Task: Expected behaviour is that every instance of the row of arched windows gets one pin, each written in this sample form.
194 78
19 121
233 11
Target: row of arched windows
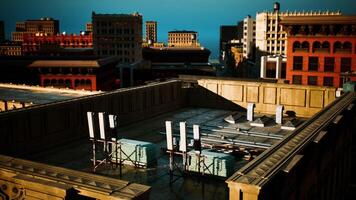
338 47
67 83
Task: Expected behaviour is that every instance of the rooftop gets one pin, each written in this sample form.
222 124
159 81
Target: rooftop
251 141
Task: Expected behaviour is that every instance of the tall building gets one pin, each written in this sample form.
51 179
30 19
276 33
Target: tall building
151 32
270 36
229 35
249 37
2 31
183 39
321 50
118 35
43 26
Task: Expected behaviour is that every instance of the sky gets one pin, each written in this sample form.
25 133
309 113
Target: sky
203 16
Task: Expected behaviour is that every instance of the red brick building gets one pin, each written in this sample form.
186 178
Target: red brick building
321 50
40 44
89 73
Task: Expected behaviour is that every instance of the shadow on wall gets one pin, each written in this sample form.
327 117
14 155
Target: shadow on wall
199 96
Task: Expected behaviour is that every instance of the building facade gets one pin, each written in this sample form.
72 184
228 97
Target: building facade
151 32
89 74
183 39
118 35
44 26
2 31
271 38
11 49
249 37
229 34
322 50
39 44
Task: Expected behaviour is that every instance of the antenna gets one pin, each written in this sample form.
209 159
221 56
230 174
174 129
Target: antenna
169 135
102 125
90 116
196 136
183 136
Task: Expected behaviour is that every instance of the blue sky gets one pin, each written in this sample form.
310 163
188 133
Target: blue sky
204 16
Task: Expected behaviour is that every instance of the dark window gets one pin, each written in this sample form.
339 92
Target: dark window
297 63
312 80
328 81
297 79
345 64
329 64
313 63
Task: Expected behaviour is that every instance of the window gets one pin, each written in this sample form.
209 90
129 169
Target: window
297 63
312 80
297 79
328 81
313 63
345 64
329 64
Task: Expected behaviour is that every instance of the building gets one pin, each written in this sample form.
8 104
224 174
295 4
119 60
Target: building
2 31
44 26
229 34
11 49
151 32
249 37
183 39
91 73
271 38
89 27
321 50
60 44
118 35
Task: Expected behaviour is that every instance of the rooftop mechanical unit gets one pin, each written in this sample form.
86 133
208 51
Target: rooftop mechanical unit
137 153
211 163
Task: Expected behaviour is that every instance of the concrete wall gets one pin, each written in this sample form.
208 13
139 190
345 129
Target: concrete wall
43 126
305 101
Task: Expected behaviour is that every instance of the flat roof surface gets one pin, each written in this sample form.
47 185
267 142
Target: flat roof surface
215 131
36 96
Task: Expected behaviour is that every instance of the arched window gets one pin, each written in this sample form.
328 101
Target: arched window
316 46
347 47
76 82
54 82
305 46
68 83
326 46
296 46
337 46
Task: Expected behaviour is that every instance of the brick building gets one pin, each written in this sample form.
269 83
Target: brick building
44 26
39 44
321 50
91 73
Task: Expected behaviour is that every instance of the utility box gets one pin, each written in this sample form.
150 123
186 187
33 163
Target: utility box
349 87
211 163
135 152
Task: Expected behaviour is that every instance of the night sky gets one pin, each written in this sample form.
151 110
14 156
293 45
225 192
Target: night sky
204 16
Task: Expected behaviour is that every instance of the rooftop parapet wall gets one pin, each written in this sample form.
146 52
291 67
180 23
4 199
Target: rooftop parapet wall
305 101
42 127
30 180
313 162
